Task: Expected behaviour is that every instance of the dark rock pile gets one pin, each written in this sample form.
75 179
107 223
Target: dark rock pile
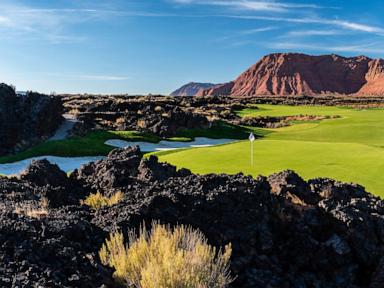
276 122
285 232
26 119
166 116
162 117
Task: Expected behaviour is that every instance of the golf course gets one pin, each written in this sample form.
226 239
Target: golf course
349 148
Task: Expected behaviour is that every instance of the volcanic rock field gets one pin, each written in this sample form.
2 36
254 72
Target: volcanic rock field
285 232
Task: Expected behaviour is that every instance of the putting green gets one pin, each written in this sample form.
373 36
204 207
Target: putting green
349 148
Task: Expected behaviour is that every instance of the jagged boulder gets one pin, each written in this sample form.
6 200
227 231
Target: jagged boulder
151 170
118 170
55 185
291 186
42 173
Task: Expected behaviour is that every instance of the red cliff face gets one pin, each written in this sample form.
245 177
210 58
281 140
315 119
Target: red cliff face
291 74
374 78
220 89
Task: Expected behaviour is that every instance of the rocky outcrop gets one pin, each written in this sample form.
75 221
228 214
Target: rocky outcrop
288 74
25 120
155 115
285 232
375 78
191 89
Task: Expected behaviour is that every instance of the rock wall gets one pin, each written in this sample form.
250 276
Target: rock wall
156 115
26 120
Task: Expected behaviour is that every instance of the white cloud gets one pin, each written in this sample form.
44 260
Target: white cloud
4 20
241 34
251 5
357 26
49 24
323 21
366 48
53 24
257 30
104 77
302 33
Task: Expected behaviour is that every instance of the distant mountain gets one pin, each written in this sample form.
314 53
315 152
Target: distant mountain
292 74
191 89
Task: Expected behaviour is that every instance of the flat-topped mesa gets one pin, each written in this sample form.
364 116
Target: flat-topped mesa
294 74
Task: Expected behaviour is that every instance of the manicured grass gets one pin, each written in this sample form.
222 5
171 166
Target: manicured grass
93 143
90 145
350 148
218 131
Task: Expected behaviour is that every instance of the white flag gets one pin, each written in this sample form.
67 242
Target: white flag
251 137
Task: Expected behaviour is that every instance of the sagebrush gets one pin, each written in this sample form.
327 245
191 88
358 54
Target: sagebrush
98 200
165 257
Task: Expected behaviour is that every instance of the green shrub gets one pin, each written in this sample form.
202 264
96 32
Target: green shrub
178 258
96 201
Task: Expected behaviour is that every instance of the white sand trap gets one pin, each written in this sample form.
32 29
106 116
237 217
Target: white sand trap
168 145
71 163
65 163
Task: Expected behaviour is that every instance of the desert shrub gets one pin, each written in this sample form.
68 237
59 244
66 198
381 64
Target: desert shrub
158 109
178 258
97 200
120 121
32 210
141 123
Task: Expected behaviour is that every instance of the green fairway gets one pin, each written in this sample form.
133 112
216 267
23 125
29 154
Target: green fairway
349 148
89 145
92 144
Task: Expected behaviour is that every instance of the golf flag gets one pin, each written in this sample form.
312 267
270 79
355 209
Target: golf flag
252 139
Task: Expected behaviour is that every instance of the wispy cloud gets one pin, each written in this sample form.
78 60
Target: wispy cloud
257 30
51 24
240 35
339 23
363 48
356 26
54 25
251 5
104 77
314 32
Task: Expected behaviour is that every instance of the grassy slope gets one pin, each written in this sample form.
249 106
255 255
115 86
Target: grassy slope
93 143
348 149
90 145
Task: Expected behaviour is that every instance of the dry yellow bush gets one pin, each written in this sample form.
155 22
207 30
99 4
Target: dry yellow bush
166 258
120 120
28 209
96 201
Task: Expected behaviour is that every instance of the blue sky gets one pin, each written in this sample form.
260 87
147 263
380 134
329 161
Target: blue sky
155 46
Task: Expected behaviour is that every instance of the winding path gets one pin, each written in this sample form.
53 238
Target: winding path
66 126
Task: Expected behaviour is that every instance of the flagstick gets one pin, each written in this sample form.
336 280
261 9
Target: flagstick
252 153
251 139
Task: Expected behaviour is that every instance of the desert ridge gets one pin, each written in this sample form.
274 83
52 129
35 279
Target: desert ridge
296 74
